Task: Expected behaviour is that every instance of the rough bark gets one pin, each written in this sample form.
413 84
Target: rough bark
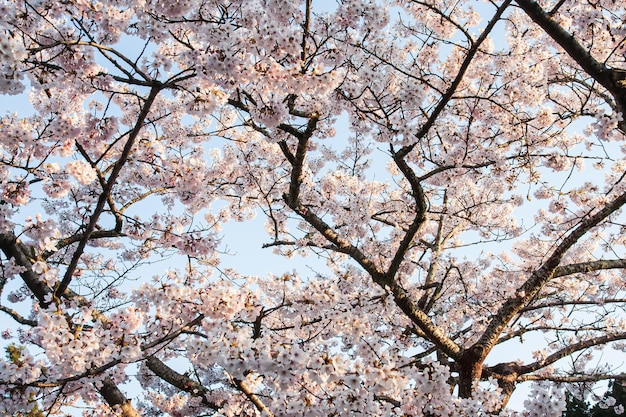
116 398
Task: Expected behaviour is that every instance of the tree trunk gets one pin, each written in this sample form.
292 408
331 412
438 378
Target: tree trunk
470 369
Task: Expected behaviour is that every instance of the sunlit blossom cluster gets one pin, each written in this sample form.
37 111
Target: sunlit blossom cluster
11 54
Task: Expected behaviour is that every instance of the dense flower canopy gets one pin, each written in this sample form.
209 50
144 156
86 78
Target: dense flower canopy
456 169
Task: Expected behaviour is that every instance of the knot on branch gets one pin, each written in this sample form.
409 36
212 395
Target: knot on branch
504 371
619 77
473 355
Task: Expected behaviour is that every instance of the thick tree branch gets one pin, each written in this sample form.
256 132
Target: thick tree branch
527 292
432 332
447 96
563 303
530 329
574 347
18 317
590 266
104 195
180 381
306 26
115 397
96 234
341 244
610 79
421 207
401 297
572 378
108 365
293 196
12 248
258 403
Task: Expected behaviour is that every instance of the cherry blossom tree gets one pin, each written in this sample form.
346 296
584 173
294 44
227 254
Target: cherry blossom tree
456 167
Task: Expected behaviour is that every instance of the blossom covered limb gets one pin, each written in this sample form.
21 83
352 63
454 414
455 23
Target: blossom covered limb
610 78
13 249
454 84
384 279
566 302
582 267
420 213
116 398
96 234
180 381
104 196
568 350
545 273
254 398
509 374
17 316
430 155
573 378
402 298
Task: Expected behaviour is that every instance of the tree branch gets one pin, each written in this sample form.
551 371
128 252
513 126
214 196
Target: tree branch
610 79
575 347
589 266
113 396
447 96
117 168
243 387
180 381
538 279
572 378
12 248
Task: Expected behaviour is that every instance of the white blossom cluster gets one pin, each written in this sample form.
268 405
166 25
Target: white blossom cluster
12 53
